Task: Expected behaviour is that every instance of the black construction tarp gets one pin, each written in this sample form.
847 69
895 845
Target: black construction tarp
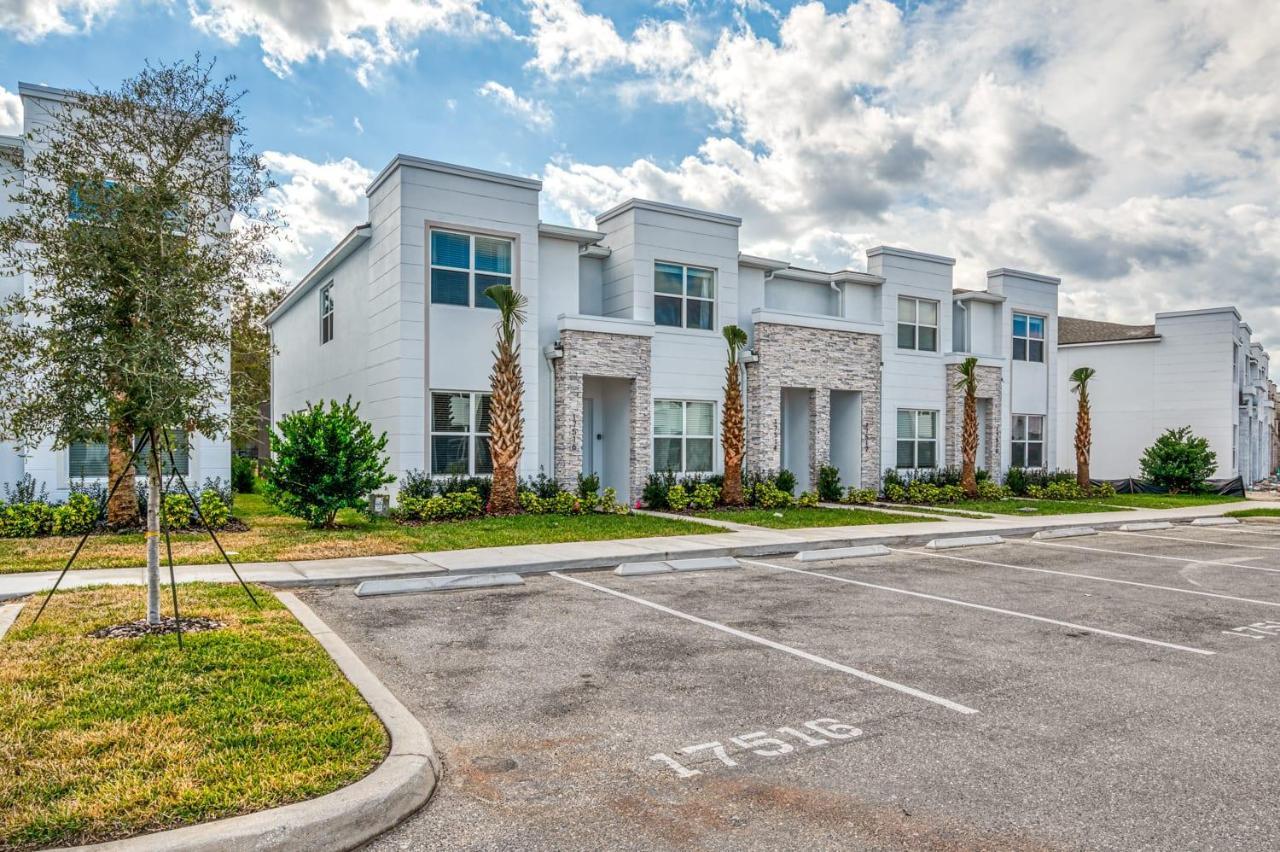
1229 487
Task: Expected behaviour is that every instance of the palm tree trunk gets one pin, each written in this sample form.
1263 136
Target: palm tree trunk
1084 442
969 446
732 438
122 510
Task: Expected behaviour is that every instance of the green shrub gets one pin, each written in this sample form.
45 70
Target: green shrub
542 486
589 485
531 503
705 497
922 492
989 490
215 511
767 495
1102 489
77 516
482 485
1016 481
454 506
656 488
416 484
895 492
176 511
950 493
859 496
609 504
244 474
677 498
1179 461
829 483
326 459
1062 491
785 481
26 520
807 500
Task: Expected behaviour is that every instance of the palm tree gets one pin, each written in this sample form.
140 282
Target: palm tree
506 386
1080 378
969 435
732 437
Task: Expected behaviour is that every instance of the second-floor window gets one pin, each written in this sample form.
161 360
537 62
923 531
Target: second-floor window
1028 440
917 324
1028 338
460 434
326 313
463 266
684 296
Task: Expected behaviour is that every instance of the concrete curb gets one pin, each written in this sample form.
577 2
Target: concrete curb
423 585
338 821
8 615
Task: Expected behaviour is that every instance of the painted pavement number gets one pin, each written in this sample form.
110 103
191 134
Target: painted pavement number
820 732
1257 630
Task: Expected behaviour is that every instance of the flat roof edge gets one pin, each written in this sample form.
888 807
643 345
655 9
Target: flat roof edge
450 169
911 254
1019 273
663 207
1221 309
582 236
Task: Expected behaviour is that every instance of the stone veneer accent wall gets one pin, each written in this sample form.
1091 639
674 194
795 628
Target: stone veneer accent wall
822 360
989 382
615 356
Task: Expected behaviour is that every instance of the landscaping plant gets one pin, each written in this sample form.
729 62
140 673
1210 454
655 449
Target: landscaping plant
859 496
1080 378
244 476
120 228
968 383
829 483
1179 461
326 459
732 434
506 386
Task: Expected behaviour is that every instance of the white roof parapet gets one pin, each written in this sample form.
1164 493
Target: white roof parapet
1221 309
663 207
844 276
977 296
1029 276
51 93
581 236
909 253
756 262
355 238
451 169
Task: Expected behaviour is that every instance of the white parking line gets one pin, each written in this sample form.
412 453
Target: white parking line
777 646
1085 577
1200 541
986 608
1149 555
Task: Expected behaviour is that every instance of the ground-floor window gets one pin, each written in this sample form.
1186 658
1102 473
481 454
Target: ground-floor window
88 459
1028 440
917 438
460 433
683 436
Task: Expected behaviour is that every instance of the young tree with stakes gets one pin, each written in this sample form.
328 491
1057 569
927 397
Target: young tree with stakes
1080 378
137 224
506 388
968 383
732 436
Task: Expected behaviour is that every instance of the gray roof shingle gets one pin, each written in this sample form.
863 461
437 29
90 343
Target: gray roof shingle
1075 330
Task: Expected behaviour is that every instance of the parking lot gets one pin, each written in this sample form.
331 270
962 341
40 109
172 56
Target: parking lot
1111 691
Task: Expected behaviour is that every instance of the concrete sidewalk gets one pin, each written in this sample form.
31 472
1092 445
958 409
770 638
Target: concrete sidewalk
567 556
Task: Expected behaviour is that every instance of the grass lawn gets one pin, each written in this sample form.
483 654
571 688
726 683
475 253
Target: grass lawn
276 537
1012 506
930 510
104 738
1162 501
820 516
1268 512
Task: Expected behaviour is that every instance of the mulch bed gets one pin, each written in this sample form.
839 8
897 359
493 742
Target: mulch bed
136 629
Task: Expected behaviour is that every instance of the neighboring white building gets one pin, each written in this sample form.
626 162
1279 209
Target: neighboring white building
623 355
1196 368
57 470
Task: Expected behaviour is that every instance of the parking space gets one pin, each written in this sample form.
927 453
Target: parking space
1024 695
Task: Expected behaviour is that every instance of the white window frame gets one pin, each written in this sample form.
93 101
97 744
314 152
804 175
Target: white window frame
326 313
684 437
473 436
916 325
471 265
684 296
915 438
1027 338
1026 442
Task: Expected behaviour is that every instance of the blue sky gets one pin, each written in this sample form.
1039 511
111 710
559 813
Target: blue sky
1138 160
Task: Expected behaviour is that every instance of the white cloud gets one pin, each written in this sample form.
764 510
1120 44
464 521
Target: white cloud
10 112
320 203
371 34
33 20
355 122
1137 160
536 114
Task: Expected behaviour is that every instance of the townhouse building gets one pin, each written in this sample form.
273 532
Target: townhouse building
623 356
197 456
1199 368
